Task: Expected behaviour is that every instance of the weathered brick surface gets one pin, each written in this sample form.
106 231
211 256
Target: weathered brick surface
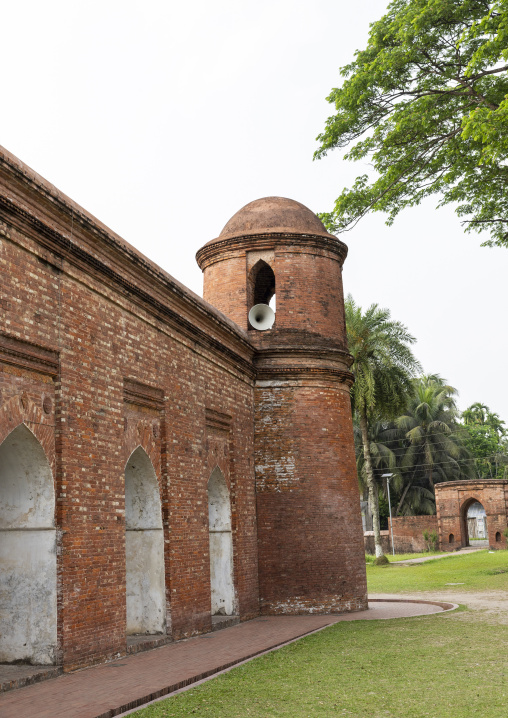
408 532
310 535
452 501
102 352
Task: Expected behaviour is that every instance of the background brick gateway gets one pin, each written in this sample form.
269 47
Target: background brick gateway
124 378
453 498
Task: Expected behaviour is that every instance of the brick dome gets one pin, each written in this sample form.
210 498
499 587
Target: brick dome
276 215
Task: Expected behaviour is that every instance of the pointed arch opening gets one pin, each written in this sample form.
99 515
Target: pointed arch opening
144 546
262 285
28 583
474 524
221 546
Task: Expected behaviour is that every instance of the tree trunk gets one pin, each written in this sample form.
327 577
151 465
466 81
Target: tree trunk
371 486
408 486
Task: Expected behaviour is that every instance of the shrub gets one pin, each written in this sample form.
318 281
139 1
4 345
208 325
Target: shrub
431 540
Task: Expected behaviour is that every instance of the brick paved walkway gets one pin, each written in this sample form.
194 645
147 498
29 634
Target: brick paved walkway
111 689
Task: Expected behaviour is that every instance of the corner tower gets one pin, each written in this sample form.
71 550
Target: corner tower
310 538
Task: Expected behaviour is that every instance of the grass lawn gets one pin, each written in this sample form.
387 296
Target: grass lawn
479 571
441 666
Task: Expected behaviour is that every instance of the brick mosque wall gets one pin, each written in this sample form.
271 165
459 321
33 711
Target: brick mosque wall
101 352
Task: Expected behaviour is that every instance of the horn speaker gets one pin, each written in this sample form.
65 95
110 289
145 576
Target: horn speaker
261 317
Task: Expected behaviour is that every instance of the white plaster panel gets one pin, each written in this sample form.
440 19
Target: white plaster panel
142 498
219 509
27 495
221 545
221 573
145 579
28 596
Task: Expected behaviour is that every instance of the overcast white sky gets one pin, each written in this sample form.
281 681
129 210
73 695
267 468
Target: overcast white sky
164 118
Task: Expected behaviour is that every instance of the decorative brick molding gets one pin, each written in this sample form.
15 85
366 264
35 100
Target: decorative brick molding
28 356
135 392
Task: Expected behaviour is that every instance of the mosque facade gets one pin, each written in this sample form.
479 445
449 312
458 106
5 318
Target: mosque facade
167 468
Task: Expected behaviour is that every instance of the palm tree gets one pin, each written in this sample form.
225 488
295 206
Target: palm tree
383 365
476 413
383 458
486 440
480 414
434 438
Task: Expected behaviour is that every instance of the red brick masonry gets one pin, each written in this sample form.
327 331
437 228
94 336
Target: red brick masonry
102 352
453 499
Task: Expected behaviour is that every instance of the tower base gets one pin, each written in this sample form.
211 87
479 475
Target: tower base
298 605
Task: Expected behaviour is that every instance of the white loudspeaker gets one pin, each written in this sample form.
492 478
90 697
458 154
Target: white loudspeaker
261 317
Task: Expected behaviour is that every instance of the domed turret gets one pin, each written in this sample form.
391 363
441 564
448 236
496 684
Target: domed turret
281 242
310 538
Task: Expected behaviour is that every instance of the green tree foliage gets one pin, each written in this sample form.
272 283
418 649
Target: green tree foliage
426 103
435 442
486 441
479 413
410 494
426 444
383 365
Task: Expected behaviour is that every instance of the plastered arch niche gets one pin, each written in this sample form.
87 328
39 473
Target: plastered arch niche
28 605
144 545
221 546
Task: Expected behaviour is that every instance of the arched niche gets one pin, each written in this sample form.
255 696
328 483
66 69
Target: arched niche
28 601
221 546
262 283
144 546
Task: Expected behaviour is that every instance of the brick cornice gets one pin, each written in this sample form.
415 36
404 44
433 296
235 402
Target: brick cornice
470 484
270 373
310 353
217 250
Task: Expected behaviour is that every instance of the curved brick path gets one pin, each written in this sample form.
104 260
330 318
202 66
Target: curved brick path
111 689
